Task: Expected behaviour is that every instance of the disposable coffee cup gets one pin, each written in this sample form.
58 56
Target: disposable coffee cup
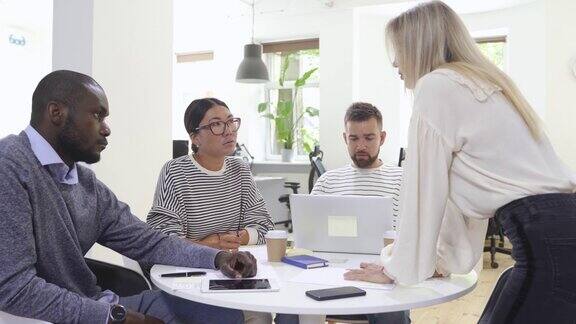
389 237
276 244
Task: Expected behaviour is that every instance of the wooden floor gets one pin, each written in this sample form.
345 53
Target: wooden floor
467 309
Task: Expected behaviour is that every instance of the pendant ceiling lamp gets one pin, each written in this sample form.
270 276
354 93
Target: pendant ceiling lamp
252 69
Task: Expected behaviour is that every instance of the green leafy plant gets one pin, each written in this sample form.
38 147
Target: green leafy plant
285 122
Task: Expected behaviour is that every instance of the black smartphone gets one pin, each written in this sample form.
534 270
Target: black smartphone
335 293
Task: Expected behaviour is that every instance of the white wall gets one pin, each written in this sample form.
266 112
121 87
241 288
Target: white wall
132 60
560 82
24 60
73 35
378 82
526 57
133 63
337 80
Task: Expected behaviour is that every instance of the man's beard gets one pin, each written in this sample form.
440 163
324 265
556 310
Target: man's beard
365 163
72 143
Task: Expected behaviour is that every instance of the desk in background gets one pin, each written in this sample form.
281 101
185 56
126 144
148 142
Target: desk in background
271 189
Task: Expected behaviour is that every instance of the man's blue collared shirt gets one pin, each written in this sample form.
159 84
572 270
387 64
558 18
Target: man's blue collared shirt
48 157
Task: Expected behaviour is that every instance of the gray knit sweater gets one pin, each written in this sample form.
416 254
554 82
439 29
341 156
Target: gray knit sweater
46 228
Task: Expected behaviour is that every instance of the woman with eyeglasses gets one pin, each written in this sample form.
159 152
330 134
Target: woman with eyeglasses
477 150
209 197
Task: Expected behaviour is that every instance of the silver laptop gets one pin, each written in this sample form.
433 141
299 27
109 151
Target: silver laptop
344 224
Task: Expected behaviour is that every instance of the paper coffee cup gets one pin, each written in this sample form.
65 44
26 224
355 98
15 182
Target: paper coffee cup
276 244
389 237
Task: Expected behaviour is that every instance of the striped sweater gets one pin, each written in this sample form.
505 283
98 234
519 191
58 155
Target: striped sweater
193 202
383 181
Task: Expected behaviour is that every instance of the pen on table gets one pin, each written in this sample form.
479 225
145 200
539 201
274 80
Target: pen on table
184 274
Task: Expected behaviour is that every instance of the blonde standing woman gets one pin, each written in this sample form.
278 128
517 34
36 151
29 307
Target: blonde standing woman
476 150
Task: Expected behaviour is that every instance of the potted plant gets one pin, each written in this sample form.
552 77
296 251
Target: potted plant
285 121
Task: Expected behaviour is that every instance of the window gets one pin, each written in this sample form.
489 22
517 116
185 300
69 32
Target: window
494 48
188 86
293 93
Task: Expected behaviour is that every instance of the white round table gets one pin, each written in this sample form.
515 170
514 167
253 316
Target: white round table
291 298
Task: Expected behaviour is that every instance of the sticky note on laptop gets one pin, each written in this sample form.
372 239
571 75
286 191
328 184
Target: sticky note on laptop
343 226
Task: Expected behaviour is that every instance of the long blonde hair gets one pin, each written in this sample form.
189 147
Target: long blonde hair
431 36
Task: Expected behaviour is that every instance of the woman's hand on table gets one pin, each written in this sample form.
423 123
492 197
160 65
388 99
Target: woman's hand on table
243 235
225 241
370 272
230 241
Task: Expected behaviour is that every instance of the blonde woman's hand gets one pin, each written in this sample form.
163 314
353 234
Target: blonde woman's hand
371 266
371 272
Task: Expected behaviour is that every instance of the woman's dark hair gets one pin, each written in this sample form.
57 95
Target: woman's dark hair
196 111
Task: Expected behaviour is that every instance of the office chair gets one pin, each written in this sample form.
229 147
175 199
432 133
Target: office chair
494 229
317 168
121 280
402 156
285 199
179 148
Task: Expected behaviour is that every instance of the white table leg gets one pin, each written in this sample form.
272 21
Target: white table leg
312 319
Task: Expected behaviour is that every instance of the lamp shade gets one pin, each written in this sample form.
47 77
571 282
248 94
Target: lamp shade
252 69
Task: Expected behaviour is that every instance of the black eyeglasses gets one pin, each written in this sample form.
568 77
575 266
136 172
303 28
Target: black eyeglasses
219 127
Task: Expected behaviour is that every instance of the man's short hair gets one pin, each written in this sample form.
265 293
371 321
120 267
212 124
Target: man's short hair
67 87
362 111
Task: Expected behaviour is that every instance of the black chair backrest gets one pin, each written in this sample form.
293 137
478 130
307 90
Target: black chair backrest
317 168
402 156
122 281
179 148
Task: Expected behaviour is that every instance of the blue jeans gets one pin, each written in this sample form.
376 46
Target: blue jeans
175 310
541 287
380 318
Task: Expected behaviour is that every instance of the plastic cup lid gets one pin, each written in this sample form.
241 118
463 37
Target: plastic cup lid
276 234
390 234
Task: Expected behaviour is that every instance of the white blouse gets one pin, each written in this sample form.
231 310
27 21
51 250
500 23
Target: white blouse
469 153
